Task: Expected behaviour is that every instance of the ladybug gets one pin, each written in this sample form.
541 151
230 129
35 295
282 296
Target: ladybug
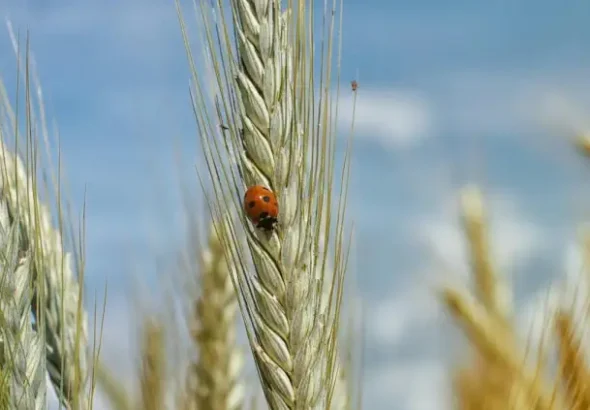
262 207
354 85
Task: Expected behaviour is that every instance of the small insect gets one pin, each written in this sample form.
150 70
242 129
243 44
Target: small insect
262 207
354 85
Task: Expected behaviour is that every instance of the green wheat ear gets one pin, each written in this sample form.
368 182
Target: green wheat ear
271 126
39 272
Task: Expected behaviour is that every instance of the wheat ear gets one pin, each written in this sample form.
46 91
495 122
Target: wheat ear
572 364
21 348
276 138
57 303
217 372
490 288
491 338
153 371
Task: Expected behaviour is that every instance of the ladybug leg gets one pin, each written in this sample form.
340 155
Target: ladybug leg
268 223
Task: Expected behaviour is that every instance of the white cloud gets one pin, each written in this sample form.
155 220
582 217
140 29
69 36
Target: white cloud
415 385
403 313
393 118
550 100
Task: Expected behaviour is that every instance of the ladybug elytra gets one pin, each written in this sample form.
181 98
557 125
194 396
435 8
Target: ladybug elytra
262 207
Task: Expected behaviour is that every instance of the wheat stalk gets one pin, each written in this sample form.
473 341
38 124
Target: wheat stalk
276 138
216 374
57 302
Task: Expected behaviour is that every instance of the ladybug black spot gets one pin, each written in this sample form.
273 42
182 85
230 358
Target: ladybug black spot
266 198
251 204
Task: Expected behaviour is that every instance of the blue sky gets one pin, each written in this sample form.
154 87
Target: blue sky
485 92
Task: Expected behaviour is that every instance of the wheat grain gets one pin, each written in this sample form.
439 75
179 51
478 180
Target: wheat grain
216 384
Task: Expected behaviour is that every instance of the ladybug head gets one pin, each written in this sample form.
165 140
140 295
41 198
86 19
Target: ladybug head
267 223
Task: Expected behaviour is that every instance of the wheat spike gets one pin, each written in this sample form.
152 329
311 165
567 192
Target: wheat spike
495 385
21 348
288 349
153 371
57 303
217 372
490 288
572 364
492 340
275 138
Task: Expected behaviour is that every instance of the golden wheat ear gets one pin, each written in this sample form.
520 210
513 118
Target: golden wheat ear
152 377
278 133
572 368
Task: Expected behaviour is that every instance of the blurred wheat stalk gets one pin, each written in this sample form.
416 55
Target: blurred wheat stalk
214 379
212 372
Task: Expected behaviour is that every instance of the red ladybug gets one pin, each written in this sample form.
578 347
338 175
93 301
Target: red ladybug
262 207
354 85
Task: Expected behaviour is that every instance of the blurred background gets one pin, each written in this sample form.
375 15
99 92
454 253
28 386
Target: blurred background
474 92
